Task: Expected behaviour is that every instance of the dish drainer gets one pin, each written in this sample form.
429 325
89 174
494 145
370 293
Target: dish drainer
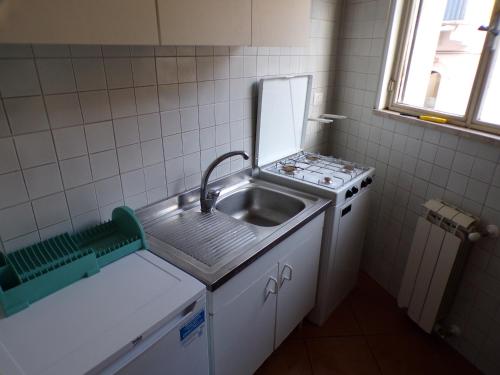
34 272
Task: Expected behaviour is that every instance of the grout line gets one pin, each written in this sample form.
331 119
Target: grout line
31 200
308 354
157 85
372 355
115 148
333 336
9 126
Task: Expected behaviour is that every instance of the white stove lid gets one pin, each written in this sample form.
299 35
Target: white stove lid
282 116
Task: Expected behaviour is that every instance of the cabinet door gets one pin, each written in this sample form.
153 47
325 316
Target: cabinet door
280 23
298 277
205 22
243 329
79 21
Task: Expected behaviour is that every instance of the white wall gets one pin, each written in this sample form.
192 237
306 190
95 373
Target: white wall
84 129
414 164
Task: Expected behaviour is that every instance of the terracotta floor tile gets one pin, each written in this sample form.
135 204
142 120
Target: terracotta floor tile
341 355
290 359
378 313
366 283
416 354
367 334
342 322
369 288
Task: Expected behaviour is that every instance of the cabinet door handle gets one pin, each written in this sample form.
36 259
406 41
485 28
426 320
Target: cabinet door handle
286 274
271 287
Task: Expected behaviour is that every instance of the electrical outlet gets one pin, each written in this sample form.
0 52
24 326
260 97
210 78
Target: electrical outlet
317 98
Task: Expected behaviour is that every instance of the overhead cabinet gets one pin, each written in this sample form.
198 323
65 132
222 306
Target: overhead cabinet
79 21
235 22
205 22
282 23
152 22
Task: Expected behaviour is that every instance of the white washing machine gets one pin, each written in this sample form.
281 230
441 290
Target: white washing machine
138 315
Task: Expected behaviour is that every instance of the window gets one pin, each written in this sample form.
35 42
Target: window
447 62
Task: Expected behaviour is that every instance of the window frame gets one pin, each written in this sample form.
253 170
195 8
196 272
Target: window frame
405 28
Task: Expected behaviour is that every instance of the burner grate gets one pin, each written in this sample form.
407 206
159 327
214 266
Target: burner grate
317 169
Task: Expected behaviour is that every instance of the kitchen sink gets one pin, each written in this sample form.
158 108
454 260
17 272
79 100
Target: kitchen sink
260 206
249 217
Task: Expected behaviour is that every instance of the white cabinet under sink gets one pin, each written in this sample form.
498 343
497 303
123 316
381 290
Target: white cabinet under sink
298 271
244 327
251 314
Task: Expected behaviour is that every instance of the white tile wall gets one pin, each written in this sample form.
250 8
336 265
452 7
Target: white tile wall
35 149
26 114
415 164
63 110
86 128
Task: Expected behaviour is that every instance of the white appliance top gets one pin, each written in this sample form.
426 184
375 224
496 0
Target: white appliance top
324 171
80 326
282 116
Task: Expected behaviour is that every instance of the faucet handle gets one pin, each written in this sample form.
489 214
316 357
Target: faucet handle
208 204
213 195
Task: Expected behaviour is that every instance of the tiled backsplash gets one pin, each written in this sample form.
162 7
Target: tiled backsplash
414 164
84 129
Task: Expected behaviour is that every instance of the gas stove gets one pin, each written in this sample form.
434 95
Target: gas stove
316 169
279 156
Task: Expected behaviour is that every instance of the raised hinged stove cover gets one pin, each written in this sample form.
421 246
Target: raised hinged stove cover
282 117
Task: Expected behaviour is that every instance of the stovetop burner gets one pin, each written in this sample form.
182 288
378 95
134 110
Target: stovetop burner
288 168
327 180
317 169
312 157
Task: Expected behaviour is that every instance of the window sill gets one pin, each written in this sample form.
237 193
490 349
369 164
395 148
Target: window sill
448 128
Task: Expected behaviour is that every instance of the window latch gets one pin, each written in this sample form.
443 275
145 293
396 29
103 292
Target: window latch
490 29
390 85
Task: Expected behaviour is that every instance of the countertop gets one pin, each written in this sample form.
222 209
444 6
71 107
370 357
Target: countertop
188 204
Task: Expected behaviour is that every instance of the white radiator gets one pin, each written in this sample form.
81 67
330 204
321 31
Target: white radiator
437 256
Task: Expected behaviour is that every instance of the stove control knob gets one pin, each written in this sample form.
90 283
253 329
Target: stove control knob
354 190
364 184
369 180
348 194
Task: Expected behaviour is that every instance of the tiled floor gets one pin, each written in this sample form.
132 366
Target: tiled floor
367 334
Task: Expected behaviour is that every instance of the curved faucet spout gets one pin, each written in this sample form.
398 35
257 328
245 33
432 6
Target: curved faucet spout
208 198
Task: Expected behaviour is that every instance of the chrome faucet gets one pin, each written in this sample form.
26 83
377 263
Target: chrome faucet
208 198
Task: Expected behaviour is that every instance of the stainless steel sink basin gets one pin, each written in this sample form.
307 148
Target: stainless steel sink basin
249 217
260 206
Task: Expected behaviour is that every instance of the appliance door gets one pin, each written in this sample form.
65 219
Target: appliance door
353 218
178 347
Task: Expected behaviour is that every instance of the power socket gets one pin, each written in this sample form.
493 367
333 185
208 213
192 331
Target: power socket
317 98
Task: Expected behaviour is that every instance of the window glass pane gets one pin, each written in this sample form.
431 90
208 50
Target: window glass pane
490 106
445 53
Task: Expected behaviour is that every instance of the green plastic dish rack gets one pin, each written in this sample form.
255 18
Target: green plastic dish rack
34 272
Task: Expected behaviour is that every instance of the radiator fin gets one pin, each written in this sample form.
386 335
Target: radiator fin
413 262
426 271
444 266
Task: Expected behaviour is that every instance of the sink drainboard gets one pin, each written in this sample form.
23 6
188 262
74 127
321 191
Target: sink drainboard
207 237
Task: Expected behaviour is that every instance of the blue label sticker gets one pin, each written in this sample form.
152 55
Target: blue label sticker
191 326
